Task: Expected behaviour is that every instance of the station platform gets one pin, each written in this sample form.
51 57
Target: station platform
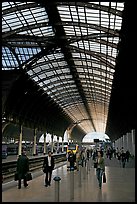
120 185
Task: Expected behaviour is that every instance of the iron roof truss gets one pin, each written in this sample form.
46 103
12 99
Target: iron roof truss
70 55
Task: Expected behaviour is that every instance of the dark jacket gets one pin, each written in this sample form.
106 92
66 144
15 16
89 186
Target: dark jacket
71 158
45 163
22 166
101 163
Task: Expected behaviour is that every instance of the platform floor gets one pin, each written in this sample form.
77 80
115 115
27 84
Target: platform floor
120 186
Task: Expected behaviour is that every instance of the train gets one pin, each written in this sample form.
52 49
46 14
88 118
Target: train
12 149
72 147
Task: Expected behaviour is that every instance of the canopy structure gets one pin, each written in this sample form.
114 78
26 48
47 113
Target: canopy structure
58 62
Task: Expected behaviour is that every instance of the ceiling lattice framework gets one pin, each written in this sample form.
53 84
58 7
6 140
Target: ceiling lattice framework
71 55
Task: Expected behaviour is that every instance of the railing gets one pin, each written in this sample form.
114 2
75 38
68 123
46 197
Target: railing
35 163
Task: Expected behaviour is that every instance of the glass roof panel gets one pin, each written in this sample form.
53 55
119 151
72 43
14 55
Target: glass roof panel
71 56
9 60
100 48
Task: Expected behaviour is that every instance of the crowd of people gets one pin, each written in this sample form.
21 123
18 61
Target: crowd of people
98 155
81 157
122 155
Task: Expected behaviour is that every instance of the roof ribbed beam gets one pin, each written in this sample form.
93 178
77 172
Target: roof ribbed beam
94 38
23 28
28 63
50 77
92 26
59 32
92 6
99 56
19 40
18 8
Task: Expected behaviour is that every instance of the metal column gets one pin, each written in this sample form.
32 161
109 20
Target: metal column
34 145
20 141
44 152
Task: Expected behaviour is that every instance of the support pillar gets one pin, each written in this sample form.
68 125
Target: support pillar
127 135
20 141
125 141
121 140
68 135
133 141
57 144
44 152
116 143
119 147
62 145
52 142
34 145
129 142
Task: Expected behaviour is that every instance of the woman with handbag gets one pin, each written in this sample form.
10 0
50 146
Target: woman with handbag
100 170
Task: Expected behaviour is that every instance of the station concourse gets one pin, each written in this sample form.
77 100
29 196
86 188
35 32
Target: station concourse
120 185
68 69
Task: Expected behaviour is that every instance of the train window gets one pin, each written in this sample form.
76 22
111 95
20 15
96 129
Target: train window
72 147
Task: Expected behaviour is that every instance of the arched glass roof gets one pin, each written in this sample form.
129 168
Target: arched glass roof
69 49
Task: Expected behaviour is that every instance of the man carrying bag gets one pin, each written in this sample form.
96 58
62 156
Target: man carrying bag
22 169
48 166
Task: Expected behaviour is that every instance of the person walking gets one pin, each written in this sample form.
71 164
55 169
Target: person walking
48 166
100 168
78 159
22 168
83 158
127 156
123 158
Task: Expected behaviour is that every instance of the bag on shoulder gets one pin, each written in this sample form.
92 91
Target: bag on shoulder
104 177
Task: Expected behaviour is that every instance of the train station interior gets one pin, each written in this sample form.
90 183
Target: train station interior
68 69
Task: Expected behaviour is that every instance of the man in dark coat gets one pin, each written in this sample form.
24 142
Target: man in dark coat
48 166
22 168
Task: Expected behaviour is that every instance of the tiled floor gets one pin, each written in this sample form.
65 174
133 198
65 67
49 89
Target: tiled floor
120 186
